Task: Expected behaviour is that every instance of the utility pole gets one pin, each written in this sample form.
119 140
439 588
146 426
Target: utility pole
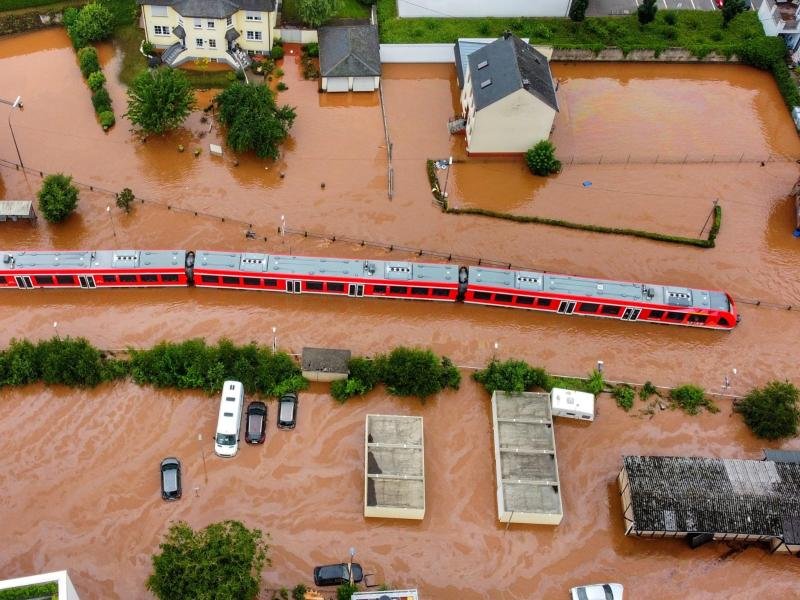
15 104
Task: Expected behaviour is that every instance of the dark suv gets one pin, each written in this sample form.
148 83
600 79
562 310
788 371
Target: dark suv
337 574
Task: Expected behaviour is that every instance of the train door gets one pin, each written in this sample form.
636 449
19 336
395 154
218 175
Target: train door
355 290
24 282
631 314
292 287
566 307
86 281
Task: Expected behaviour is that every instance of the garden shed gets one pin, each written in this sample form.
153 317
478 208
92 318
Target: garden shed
15 210
349 58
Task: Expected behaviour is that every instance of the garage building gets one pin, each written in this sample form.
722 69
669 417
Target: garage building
349 58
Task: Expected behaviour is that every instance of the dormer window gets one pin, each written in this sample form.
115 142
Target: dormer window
482 64
485 84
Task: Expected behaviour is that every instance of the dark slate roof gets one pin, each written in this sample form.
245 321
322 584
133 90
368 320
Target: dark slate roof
349 51
212 9
789 456
327 360
692 494
512 65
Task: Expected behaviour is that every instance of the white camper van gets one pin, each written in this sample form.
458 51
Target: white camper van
226 442
572 404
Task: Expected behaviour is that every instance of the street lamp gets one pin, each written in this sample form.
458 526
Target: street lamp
15 104
447 177
274 340
350 566
55 326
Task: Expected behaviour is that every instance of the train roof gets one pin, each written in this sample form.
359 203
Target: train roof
92 259
409 272
601 289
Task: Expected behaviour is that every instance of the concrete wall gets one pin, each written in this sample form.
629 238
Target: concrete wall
616 55
295 35
510 125
481 8
433 53
765 16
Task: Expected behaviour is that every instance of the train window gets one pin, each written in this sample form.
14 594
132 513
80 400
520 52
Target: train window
109 279
149 278
589 307
418 291
697 318
503 297
525 300
378 289
209 278
335 287
398 289
656 314
231 280
270 282
127 278
675 316
169 277
609 309
441 292
252 281
482 296
65 279
314 285
543 302
44 279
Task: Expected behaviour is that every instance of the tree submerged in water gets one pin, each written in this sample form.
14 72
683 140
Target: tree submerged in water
159 100
541 159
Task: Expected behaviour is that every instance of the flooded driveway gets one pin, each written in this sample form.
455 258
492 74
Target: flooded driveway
98 451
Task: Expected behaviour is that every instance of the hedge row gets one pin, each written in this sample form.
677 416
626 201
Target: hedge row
29 21
518 376
37 590
101 101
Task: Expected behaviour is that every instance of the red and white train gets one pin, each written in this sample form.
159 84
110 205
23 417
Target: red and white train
529 290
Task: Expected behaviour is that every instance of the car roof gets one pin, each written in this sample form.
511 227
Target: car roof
170 461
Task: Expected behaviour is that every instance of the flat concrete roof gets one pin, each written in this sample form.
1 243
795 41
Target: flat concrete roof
528 489
329 360
394 465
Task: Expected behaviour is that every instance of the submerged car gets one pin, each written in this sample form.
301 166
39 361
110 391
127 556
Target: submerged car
287 411
338 574
598 591
256 423
170 478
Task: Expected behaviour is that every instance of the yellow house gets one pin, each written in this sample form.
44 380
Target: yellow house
223 31
508 100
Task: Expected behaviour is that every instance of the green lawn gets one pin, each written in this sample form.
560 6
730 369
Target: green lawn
128 38
348 9
9 5
48 5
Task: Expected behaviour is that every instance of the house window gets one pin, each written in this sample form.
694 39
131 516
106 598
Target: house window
198 23
229 21
212 43
199 42
254 36
161 30
210 24
483 64
158 11
485 84
252 16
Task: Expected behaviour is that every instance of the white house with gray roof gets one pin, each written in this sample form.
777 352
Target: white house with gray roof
508 99
349 58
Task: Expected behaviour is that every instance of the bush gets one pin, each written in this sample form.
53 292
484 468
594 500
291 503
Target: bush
731 8
691 398
311 49
277 52
125 199
419 373
107 119
647 11
346 591
69 16
88 61
281 87
96 80
670 17
316 12
101 101
762 52
37 590
58 198
299 592
577 12
148 48
510 376
771 412
93 23
541 159
647 390
278 72
624 396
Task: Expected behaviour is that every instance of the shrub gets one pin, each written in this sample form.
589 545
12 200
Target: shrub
670 17
240 75
593 384
419 373
510 376
277 42
96 80
577 12
624 396
125 199
88 61
148 48
762 52
93 23
691 398
731 8
647 11
346 591
647 390
69 16
771 412
316 12
541 159
101 101
107 119
58 198
281 87
716 36
278 72
299 592
277 52
311 49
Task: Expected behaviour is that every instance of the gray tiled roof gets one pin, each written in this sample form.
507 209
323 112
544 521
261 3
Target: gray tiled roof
349 51
329 360
511 65
212 9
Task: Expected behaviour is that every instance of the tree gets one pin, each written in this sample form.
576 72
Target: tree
647 11
577 12
124 199
159 100
419 373
57 198
253 120
96 80
94 22
221 562
542 159
315 12
731 8
771 412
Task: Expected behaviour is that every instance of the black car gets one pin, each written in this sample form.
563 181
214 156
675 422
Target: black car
170 478
256 423
287 411
337 574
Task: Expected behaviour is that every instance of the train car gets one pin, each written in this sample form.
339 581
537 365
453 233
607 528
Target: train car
335 276
95 269
601 298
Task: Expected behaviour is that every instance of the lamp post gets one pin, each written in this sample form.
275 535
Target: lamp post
274 340
350 564
447 177
203 454
15 104
55 326
496 348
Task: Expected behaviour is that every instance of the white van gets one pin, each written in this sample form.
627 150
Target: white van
226 442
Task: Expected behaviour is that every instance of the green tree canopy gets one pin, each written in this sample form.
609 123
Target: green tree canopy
221 562
417 372
647 11
94 22
58 198
541 159
159 100
771 412
731 8
88 61
253 120
316 12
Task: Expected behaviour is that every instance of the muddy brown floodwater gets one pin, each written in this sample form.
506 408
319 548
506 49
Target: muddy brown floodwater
79 489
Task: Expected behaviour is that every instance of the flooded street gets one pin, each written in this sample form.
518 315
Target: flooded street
78 469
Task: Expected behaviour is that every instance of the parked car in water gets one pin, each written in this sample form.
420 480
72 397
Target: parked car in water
256 423
170 478
337 574
598 591
287 411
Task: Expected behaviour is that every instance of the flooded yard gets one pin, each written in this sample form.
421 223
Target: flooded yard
80 487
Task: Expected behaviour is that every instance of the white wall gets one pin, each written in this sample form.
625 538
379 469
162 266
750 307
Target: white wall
481 8
66 591
295 35
510 125
434 53
767 21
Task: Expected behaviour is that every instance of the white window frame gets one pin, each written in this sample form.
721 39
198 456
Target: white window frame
198 23
210 24
229 21
255 36
161 30
252 16
159 11
199 43
212 44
